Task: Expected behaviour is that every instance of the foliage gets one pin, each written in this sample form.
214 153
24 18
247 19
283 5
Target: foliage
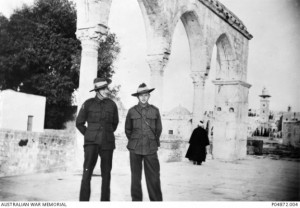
40 55
279 123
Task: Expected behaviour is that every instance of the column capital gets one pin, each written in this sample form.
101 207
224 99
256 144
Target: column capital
97 34
199 79
157 62
90 39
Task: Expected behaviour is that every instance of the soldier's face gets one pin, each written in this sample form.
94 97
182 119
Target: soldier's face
143 98
103 92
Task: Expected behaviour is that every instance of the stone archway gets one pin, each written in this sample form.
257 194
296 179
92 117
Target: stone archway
198 74
231 104
206 22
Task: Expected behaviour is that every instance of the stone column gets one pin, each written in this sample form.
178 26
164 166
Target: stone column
90 39
157 65
231 119
199 78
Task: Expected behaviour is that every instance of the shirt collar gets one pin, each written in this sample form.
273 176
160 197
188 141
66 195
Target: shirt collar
143 107
98 99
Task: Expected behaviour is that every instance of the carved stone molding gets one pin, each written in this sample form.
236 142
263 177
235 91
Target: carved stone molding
231 82
97 33
224 13
199 79
90 39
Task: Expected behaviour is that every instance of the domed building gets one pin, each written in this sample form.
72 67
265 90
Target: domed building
178 122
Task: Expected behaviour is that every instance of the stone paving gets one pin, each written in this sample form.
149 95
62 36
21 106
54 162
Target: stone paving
252 179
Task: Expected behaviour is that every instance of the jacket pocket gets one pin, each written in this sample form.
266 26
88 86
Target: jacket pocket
151 116
153 144
151 136
132 144
136 121
151 119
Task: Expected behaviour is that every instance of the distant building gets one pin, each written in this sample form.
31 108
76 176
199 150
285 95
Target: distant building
264 108
253 125
291 128
261 124
291 133
21 111
291 116
178 121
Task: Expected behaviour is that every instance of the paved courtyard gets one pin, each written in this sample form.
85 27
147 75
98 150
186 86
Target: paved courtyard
252 179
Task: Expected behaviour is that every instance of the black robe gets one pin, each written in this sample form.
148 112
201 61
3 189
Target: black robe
198 142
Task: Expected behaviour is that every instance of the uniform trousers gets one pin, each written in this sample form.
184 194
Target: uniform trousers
91 153
152 175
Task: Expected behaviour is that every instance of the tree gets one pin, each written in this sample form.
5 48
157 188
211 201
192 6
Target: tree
40 54
5 43
279 123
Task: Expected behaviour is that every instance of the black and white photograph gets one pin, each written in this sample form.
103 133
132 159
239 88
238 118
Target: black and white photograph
193 101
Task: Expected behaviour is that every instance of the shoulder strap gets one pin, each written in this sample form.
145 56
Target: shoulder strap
145 121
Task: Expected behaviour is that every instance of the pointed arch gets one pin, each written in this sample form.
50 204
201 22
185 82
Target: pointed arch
226 58
195 36
156 27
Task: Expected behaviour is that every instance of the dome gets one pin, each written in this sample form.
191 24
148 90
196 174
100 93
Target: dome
265 93
179 110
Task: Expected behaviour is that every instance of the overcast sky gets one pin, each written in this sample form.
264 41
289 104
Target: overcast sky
274 53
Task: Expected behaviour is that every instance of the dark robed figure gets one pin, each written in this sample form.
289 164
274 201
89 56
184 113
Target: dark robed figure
198 142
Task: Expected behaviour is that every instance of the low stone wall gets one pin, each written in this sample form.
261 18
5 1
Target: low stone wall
23 152
172 148
255 147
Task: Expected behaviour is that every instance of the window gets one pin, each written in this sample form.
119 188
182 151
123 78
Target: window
170 131
29 123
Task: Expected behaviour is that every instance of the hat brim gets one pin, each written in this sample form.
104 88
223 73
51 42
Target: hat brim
103 86
142 92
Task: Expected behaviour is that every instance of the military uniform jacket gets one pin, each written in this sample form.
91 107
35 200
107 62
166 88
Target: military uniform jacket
141 140
102 120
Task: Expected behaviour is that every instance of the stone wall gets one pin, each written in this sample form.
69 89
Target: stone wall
23 152
291 133
172 148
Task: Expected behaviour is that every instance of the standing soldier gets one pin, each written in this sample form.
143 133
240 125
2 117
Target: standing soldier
101 115
143 128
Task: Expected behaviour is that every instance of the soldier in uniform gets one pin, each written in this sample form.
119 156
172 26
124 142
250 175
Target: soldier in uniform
101 115
143 128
